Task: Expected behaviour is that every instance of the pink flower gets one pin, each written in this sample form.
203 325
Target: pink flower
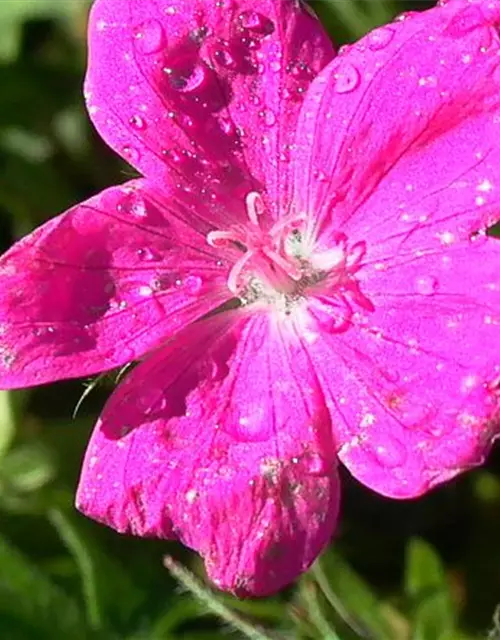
305 264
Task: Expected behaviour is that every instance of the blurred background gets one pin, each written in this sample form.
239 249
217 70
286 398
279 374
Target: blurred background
420 570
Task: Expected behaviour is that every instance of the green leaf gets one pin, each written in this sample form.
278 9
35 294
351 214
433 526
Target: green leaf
27 468
14 12
428 592
211 603
351 19
107 591
181 610
29 599
351 598
310 598
424 570
7 422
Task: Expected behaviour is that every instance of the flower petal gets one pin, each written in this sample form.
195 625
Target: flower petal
413 384
100 285
400 132
205 91
226 446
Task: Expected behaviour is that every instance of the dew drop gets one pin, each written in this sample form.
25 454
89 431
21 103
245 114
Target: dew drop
134 205
256 22
147 254
315 464
227 126
149 37
191 495
44 331
465 21
389 452
224 58
117 305
426 285
137 122
151 399
347 78
173 155
145 291
199 34
380 38
193 284
268 117
131 153
478 238
187 82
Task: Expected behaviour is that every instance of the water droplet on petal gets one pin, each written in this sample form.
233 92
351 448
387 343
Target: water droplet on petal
148 255
187 82
193 284
151 400
224 58
268 117
380 38
149 37
131 153
227 126
465 21
426 285
145 291
315 464
199 34
256 22
478 237
173 155
137 122
347 78
389 452
133 204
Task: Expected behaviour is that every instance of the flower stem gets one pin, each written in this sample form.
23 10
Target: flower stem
207 598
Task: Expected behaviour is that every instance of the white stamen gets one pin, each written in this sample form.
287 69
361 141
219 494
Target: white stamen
255 207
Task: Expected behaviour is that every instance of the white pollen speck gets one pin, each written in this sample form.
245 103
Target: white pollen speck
191 495
468 383
485 185
367 420
446 237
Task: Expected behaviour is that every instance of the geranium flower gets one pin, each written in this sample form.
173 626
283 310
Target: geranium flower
304 270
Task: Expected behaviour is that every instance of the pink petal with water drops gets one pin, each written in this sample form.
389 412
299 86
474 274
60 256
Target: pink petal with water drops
202 92
399 135
412 334
223 440
100 285
413 384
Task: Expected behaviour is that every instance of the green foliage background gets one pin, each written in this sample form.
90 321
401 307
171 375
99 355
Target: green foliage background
421 570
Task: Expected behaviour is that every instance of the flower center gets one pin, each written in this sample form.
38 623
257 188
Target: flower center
282 264
270 259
